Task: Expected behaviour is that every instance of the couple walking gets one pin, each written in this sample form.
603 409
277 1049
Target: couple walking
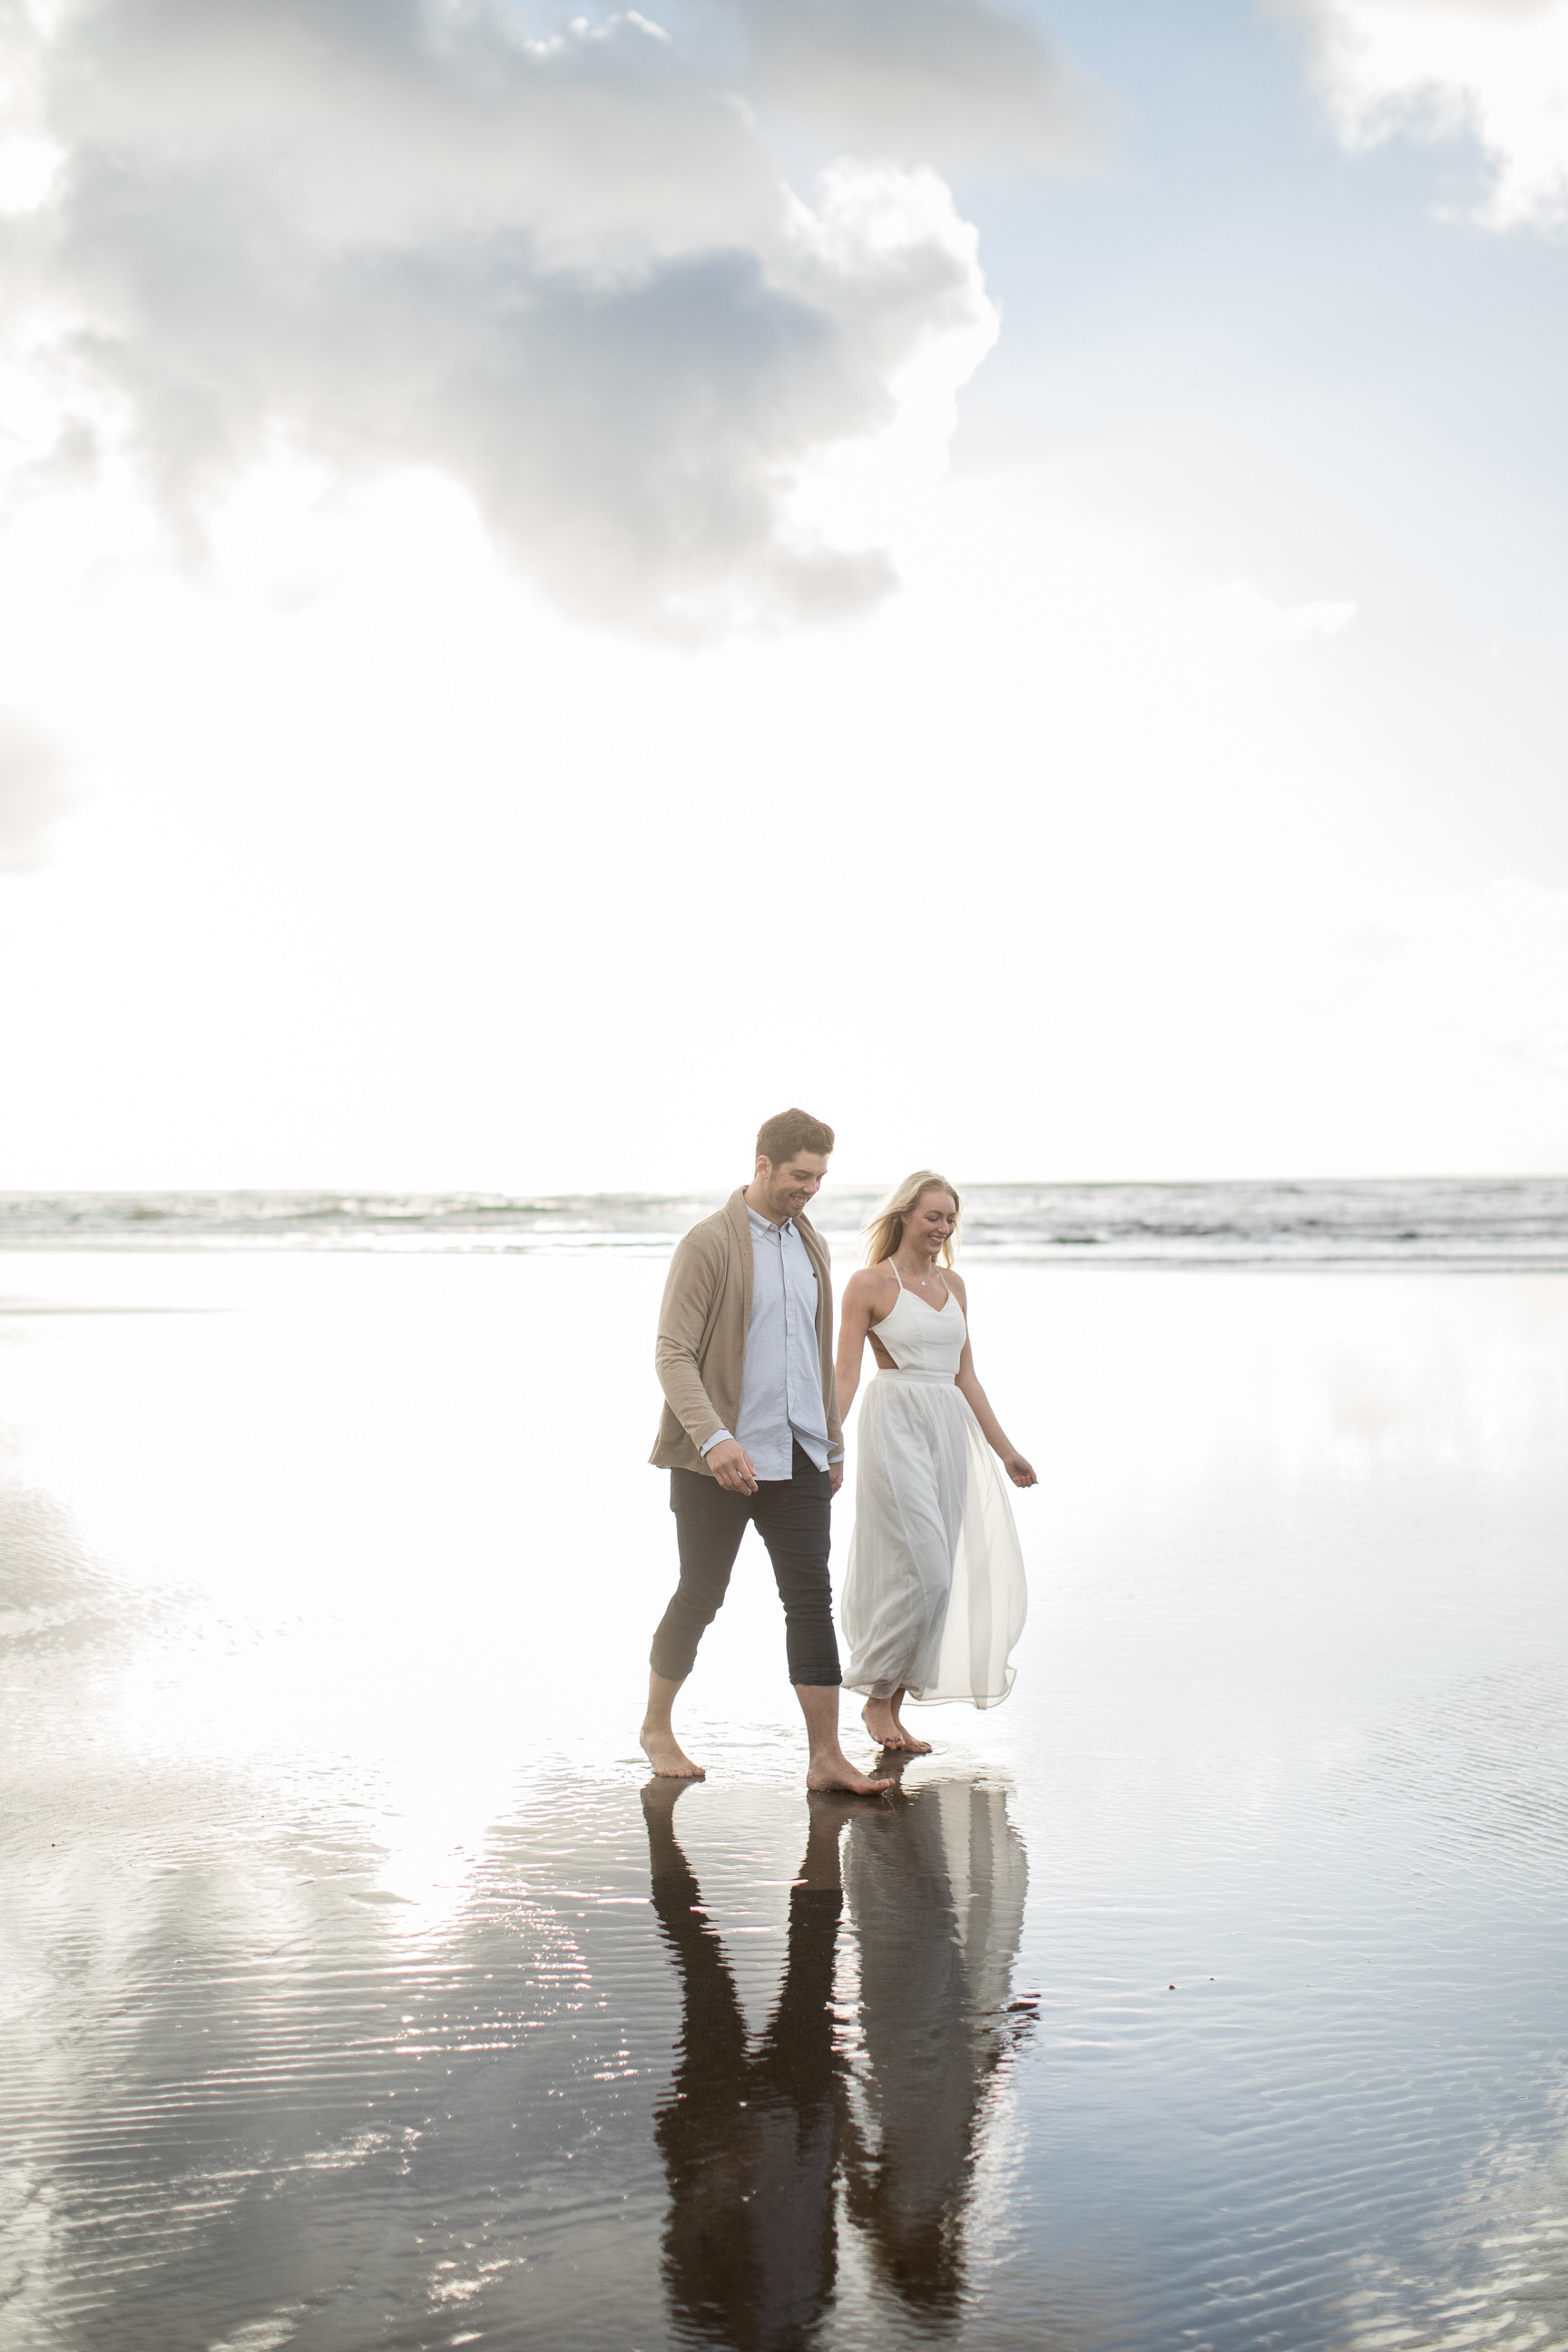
753 1432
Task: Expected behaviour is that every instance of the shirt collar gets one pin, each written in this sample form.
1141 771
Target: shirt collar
765 1225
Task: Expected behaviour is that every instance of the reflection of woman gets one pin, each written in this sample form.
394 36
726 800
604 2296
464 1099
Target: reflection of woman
935 1596
754 2141
936 1888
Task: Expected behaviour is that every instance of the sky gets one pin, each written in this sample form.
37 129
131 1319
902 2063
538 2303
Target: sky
994 570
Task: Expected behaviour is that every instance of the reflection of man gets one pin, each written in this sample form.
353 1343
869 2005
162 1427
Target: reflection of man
750 2140
936 1886
756 2142
750 1435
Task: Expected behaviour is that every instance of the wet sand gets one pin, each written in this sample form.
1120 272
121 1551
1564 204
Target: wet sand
1208 1993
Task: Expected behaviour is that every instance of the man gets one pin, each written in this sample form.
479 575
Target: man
750 1435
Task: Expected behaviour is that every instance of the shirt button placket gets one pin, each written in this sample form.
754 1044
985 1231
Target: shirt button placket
789 1334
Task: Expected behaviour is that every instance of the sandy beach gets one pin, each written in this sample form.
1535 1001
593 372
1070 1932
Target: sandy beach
1207 1993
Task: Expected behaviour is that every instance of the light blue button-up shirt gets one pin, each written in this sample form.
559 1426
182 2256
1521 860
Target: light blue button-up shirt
781 1380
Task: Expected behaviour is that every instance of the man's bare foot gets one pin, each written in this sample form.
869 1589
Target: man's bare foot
666 1755
833 1769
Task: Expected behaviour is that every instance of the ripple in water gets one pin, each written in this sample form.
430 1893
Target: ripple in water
360 1995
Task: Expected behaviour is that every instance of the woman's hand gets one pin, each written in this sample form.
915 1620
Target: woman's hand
1018 1470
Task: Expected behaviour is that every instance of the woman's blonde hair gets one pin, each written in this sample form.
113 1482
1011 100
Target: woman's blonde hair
885 1231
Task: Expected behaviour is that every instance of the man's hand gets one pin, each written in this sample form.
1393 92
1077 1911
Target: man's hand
835 1471
731 1466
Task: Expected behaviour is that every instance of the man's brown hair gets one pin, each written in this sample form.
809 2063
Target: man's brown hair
789 1132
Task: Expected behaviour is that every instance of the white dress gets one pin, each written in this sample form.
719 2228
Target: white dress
935 1596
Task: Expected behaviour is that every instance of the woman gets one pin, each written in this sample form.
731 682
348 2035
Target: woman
935 1596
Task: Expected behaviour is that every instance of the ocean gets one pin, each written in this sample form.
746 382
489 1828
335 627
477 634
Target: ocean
362 1994
1485 1222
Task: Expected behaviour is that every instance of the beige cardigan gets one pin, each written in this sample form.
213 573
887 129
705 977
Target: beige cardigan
702 1325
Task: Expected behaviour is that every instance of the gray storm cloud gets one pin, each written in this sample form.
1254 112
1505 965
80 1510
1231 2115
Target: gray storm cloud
562 267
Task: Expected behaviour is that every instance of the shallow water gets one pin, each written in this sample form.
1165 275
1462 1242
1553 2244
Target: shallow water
1208 1993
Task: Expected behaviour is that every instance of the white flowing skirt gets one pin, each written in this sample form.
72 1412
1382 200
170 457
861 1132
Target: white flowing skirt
934 1598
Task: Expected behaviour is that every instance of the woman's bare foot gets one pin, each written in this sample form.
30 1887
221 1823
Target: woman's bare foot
907 1740
666 1755
882 1719
831 1768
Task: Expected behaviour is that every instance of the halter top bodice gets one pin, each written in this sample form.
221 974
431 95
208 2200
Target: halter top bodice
923 1342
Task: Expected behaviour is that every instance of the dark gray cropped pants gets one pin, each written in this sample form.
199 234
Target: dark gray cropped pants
793 1516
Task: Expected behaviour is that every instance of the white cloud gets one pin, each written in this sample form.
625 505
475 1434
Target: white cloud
1494 70
919 79
1239 614
1484 969
31 791
565 270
